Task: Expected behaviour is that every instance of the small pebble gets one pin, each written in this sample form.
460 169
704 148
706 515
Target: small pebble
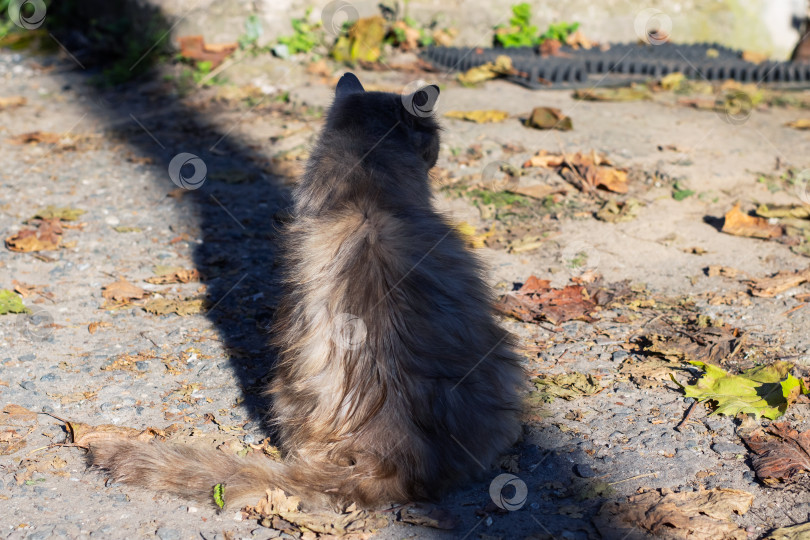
168 534
583 470
28 385
619 356
728 448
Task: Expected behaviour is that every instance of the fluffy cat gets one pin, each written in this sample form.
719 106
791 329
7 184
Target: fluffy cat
394 381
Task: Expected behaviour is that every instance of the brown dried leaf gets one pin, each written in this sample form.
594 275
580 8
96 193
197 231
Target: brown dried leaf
180 275
701 515
165 306
84 435
122 291
11 102
780 452
195 48
536 300
94 326
778 283
15 415
723 271
283 512
428 516
610 178
35 137
801 123
741 224
537 191
792 532
711 344
545 160
549 118
46 237
23 289
11 441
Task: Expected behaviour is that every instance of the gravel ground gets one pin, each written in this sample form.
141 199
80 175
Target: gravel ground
99 363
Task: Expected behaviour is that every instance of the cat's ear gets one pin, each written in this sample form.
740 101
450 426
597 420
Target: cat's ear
348 84
423 102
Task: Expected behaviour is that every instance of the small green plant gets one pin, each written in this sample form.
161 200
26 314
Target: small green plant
304 37
578 260
679 192
253 31
559 31
520 32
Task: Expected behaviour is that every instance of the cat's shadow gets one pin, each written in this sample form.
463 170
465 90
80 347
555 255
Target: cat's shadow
236 221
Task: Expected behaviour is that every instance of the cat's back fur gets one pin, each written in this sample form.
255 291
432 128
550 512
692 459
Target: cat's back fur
394 381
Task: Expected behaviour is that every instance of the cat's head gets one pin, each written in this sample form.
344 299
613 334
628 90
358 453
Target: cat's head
405 121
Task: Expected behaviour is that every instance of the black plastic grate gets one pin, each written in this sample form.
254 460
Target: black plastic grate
572 67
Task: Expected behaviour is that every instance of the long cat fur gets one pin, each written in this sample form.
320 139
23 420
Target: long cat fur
423 400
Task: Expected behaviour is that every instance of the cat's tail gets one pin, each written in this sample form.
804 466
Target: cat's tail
193 472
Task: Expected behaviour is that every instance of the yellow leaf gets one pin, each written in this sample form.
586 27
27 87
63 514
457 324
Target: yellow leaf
479 116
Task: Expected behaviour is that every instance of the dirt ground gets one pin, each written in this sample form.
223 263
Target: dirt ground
96 358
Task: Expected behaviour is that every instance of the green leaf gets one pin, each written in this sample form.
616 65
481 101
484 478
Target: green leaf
64 214
762 391
681 194
219 495
11 303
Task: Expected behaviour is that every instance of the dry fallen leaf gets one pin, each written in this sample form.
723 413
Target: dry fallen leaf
122 291
15 415
94 326
195 48
35 137
780 452
699 515
740 224
480 116
801 123
46 237
501 67
549 118
778 283
165 306
545 160
715 270
174 275
60 213
625 93
536 300
537 191
792 532
11 102
281 511
754 57
85 435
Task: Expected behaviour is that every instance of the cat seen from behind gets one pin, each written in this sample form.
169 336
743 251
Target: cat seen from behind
394 381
